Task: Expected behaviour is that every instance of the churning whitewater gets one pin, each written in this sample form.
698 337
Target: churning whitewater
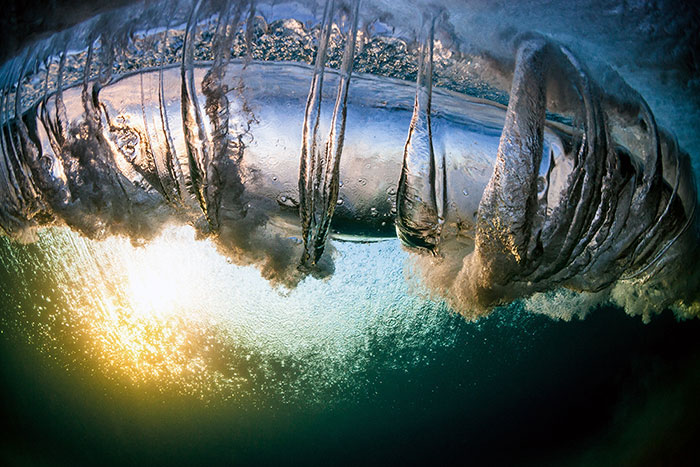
506 177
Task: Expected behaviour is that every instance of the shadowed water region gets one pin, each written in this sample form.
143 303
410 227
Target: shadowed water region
376 381
350 232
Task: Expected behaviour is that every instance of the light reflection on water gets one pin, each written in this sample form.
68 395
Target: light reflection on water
145 352
175 314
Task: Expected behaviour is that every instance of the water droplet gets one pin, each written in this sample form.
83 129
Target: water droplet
339 202
465 192
274 178
340 183
391 190
362 181
373 212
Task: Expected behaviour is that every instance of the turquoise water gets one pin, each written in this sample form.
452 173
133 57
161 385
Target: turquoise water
370 380
167 354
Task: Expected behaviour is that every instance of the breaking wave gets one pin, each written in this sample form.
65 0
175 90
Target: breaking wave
509 170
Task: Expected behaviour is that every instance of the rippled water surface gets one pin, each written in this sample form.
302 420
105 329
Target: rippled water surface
141 331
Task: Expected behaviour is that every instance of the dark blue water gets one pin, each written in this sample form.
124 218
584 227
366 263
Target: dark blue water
512 389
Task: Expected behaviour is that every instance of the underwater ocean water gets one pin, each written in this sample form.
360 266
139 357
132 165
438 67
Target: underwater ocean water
350 232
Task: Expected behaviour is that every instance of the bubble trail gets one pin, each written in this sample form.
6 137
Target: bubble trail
170 172
196 139
420 199
319 169
227 146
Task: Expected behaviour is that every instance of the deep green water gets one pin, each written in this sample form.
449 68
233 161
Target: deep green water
513 389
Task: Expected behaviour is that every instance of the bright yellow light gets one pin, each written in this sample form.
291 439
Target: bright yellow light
146 312
161 281
175 313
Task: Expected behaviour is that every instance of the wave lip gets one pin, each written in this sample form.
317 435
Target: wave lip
571 185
